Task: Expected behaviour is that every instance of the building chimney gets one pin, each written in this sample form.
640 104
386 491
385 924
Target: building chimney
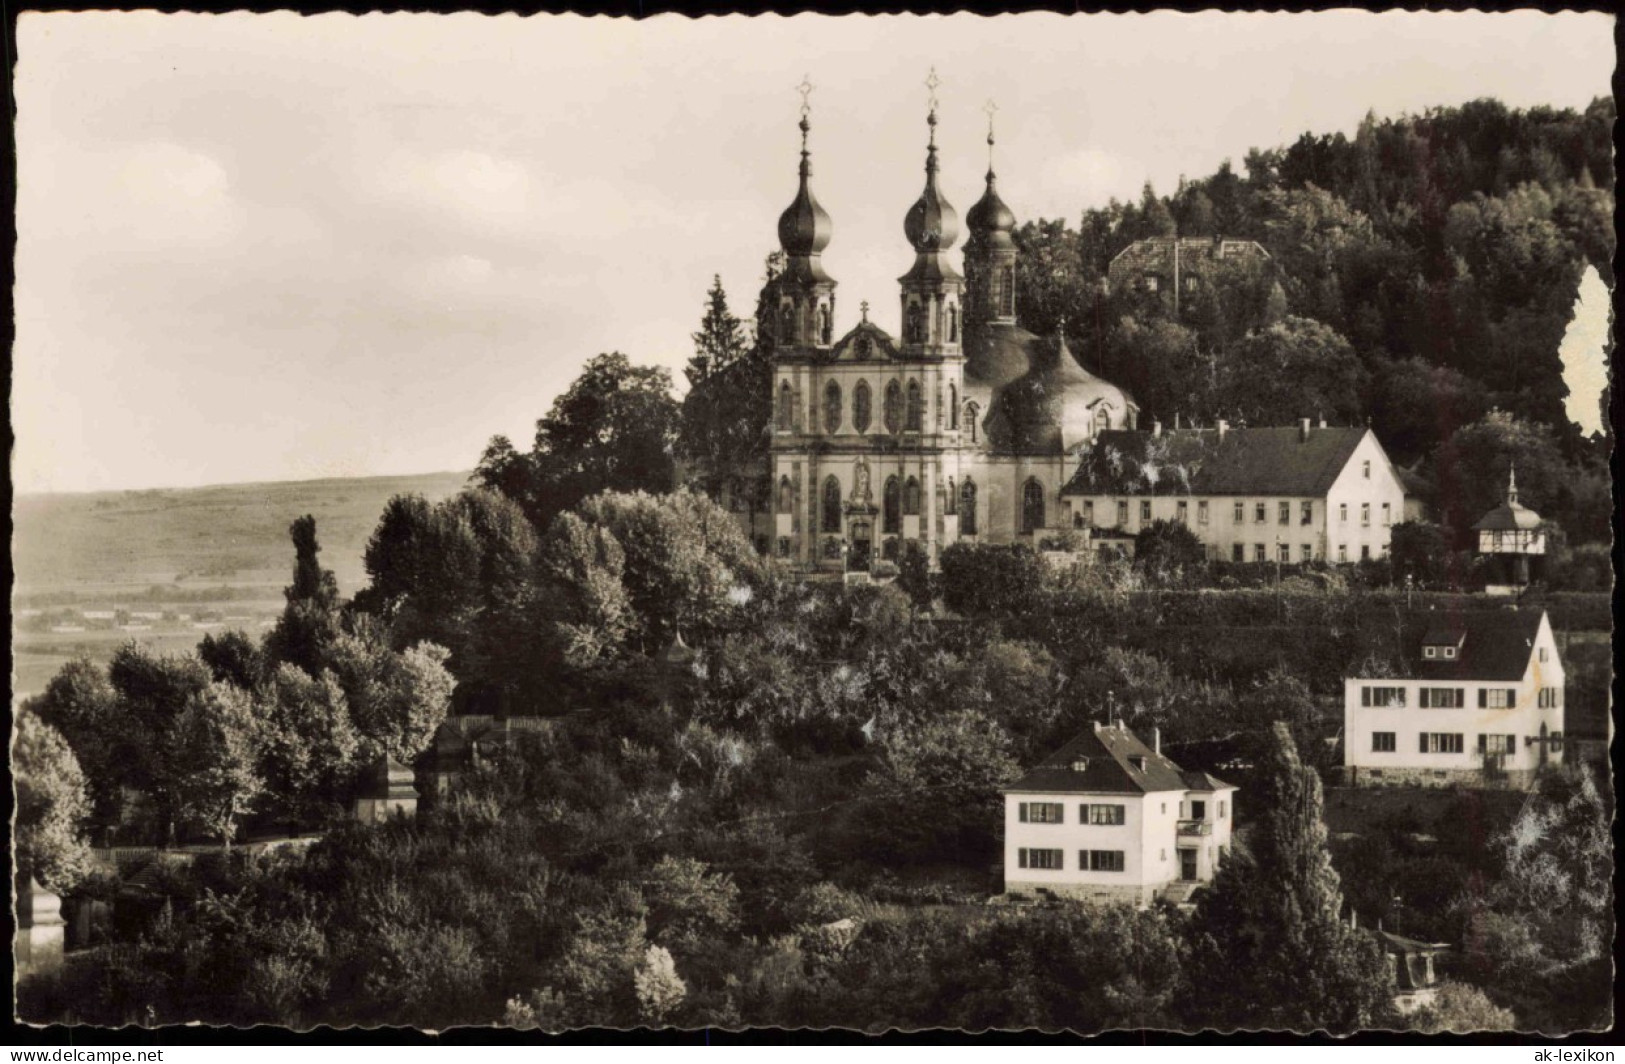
1223 425
1303 429
1156 428
1156 740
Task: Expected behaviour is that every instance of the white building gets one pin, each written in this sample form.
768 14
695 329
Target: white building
1482 695
1108 819
1289 495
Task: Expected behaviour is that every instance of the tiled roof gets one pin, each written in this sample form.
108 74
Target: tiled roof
1496 645
1246 461
1107 751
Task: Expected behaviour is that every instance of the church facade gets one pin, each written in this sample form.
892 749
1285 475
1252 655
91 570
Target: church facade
963 428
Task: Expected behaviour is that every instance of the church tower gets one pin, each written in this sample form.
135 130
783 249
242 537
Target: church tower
805 320
933 315
990 255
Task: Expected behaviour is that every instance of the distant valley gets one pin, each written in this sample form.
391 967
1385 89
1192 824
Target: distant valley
165 566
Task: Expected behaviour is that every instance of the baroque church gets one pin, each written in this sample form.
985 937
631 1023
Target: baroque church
966 427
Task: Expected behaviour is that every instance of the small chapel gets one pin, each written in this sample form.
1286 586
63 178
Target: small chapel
965 427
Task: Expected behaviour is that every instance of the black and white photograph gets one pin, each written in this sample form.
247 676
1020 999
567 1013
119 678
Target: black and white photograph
880 523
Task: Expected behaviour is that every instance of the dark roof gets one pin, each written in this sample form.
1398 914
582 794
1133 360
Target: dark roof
1496 645
1246 461
1413 481
1510 516
995 355
1107 751
1053 401
1444 633
1400 944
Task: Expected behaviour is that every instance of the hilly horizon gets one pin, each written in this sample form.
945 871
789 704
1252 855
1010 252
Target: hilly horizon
164 566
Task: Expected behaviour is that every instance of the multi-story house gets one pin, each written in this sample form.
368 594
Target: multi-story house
1176 269
1480 700
1290 495
1107 818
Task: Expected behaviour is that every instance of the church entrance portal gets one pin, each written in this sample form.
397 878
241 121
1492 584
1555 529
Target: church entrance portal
857 559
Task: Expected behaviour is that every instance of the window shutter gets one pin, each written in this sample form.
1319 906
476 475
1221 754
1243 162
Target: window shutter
1422 699
1461 697
1483 698
1083 813
1021 814
1422 743
1365 696
1021 856
1512 698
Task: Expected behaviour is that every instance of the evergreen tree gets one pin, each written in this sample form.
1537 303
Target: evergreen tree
310 621
1270 947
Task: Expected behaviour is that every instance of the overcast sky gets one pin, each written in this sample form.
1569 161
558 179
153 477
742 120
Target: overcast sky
257 247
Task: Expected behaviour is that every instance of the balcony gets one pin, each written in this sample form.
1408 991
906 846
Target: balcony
1193 828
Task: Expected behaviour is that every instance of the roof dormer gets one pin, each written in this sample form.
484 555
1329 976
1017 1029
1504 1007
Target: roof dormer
1443 643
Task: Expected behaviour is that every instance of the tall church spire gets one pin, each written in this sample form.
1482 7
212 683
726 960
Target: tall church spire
932 288
806 294
990 256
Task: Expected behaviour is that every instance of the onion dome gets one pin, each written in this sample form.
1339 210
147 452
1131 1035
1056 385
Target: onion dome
932 224
1051 409
997 354
1511 515
990 221
804 227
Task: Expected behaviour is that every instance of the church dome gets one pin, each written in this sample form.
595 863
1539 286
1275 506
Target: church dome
990 221
804 227
931 224
1054 407
997 354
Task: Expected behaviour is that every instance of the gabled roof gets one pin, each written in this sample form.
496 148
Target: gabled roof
1495 646
1245 461
866 342
1107 751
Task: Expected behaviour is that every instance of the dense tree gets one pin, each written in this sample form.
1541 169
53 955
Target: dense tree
1461 1009
82 705
234 658
1294 369
215 744
462 574
1473 465
1167 551
308 743
1271 949
310 621
396 700
979 578
153 690
613 429
52 805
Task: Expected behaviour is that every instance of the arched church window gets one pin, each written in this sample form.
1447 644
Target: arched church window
787 494
916 323
832 505
1007 292
972 419
916 408
953 324
1032 506
787 323
892 513
1103 419
892 415
953 406
911 497
786 406
967 508
860 406
832 407
950 498
825 331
